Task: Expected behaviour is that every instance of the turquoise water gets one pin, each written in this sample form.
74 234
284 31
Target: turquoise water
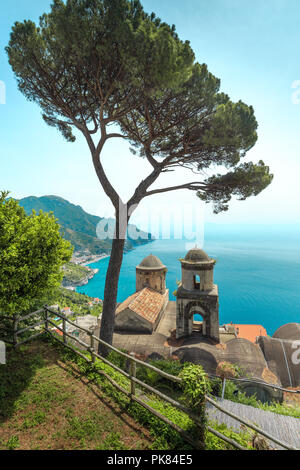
257 271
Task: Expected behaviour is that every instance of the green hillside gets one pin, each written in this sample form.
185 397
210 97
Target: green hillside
77 226
74 273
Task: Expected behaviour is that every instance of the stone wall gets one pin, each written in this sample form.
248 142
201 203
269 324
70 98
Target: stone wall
190 271
127 320
154 279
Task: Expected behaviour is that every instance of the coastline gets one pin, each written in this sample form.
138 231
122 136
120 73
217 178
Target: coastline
94 259
84 280
247 275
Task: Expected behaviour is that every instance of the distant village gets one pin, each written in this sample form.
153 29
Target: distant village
87 321
82 258
78 272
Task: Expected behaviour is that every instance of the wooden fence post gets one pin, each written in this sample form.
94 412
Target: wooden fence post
223 388
46 318
64 329
132 374
92 348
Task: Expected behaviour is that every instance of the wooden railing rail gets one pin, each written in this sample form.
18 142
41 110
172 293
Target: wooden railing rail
258 382
112 348
28 328
249 425
162 373
38 312
131 376
134 380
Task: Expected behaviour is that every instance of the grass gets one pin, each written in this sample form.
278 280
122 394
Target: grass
287 409
45 403
165 437
291 408
52 399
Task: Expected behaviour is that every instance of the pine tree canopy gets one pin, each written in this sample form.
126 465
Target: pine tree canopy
90 64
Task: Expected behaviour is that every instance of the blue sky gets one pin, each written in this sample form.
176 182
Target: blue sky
253 47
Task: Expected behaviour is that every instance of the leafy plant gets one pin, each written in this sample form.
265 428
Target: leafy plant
170 366
31 256
13 443
243 437
216 386
117 359
195 385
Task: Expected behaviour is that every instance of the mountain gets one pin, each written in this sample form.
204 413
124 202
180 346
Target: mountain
78 226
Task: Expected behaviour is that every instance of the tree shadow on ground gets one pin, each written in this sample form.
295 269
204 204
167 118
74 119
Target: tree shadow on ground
22 367
16 375
95 387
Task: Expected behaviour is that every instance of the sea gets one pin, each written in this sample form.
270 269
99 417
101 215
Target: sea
257 271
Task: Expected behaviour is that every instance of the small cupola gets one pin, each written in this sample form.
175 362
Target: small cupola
151 272
197 271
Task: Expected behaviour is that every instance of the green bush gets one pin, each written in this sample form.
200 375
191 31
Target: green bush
117 359
195 385
216 387
233 393
170 366
166 437
214 443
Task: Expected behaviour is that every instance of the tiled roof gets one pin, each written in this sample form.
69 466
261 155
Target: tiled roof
251 332
147 303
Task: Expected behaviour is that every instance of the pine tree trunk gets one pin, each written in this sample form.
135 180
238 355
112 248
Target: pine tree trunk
111 292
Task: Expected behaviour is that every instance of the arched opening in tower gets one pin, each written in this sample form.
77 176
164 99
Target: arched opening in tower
196 282
199 325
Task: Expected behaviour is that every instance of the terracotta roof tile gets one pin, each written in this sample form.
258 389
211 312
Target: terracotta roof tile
250 332
147 303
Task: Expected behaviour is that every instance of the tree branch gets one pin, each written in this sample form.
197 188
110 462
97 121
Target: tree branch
116 135
141 190
194 186
95 152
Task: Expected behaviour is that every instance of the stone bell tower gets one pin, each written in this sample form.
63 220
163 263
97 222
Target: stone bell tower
197 294
151 273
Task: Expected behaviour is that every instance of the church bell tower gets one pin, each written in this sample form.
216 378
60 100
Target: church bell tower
197 295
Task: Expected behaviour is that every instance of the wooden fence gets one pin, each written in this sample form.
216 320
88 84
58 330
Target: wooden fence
45 320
